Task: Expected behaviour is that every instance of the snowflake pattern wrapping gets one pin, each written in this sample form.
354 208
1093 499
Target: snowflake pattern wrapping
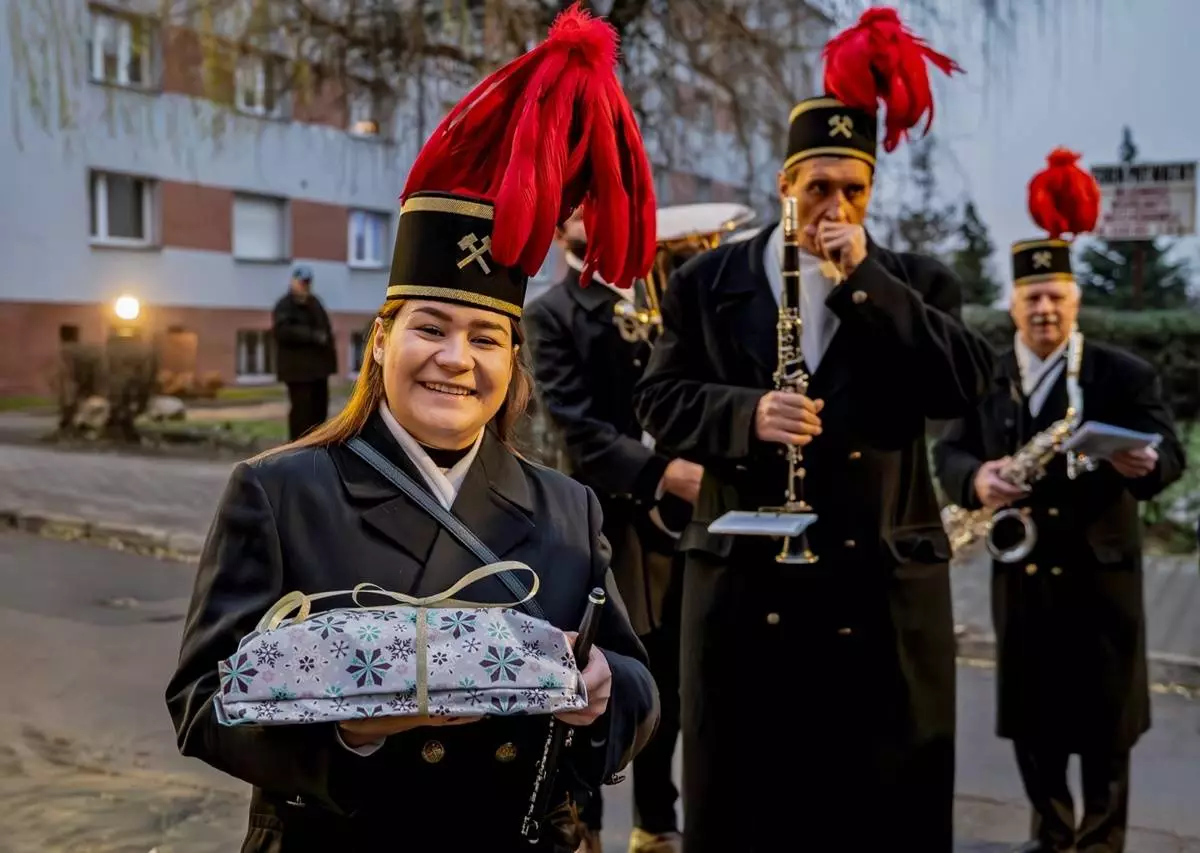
399 661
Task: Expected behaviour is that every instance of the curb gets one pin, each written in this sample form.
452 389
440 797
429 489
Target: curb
1168 670
145 541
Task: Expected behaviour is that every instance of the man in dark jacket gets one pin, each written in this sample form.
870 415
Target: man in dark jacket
818 701
585 372
1069 619
304 353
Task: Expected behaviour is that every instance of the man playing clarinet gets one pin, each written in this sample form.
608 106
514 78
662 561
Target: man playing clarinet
818 700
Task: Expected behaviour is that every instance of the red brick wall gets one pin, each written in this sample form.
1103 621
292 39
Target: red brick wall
319 231
196 216
29 337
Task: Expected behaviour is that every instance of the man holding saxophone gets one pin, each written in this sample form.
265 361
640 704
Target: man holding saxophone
1067 569
818 698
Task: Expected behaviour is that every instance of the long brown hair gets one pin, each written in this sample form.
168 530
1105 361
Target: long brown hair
368 393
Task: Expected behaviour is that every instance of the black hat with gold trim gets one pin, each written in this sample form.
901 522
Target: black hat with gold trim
1063 199
547 133
878 60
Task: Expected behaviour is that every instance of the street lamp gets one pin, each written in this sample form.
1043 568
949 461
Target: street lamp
127 308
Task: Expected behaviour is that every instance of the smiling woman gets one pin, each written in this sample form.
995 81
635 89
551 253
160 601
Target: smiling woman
424 351
383 492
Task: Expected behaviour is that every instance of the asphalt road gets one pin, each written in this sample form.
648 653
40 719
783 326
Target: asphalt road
88 764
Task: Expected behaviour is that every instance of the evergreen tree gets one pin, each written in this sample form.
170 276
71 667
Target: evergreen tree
972 260
922 227
1132 274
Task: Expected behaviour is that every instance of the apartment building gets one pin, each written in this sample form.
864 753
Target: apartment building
197 191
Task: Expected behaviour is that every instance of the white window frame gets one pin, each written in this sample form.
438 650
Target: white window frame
354 359
98 198
263 342
105 25
362 119
364 263
255 65
284 252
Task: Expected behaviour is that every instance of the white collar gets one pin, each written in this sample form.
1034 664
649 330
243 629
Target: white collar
576 264
820 324
1038 375
444 483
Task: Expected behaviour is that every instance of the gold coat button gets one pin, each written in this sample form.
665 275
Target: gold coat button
1052 512
506 752
1056 571
854 454
859 297
845 632
772 618
850 543
433 751
1031 569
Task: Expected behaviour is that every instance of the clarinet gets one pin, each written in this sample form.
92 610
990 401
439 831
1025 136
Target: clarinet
560 735
790 376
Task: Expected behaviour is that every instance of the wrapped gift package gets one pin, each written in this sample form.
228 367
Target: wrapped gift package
424 656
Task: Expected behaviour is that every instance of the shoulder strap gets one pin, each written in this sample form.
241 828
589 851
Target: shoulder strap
447 519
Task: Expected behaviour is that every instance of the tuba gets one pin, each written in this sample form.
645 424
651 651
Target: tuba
683 231
1028 465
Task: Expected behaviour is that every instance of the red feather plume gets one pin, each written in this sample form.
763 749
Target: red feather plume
547 133
879 59
1063 198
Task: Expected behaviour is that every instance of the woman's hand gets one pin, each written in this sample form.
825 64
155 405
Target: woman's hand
597 678
358 733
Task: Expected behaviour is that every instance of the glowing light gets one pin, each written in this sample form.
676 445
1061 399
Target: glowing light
127 308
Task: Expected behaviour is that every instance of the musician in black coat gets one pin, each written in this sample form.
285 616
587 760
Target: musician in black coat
585 373
818 701
439 392
1069 617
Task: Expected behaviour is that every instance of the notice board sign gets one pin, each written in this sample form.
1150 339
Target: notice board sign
1141 201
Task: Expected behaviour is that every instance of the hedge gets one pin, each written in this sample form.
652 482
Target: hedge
1170 340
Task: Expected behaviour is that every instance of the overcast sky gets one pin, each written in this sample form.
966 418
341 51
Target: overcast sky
1074 76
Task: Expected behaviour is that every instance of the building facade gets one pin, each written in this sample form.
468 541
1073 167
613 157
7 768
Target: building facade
148 169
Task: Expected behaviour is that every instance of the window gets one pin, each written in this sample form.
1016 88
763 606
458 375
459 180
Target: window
368 238
358 347
258 84
120 50
259 228
68 334
120 209
255 355
362 119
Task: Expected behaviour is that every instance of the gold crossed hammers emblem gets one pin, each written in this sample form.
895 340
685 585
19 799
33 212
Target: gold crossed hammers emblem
1041 260
474 247
841 124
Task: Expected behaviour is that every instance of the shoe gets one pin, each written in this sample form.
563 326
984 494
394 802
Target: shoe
1039 847
647 842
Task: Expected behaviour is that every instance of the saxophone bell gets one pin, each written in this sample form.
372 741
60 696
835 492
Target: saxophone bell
1011 535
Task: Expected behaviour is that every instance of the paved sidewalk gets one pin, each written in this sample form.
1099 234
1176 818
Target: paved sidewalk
167 505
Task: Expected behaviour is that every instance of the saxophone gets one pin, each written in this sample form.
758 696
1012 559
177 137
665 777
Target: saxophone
1028 465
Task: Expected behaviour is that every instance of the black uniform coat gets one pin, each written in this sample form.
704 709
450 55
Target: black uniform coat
320 519
1069 619
835 673
585 373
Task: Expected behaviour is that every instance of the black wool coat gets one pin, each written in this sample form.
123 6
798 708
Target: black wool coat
585 374
864 639
1069 619
317 519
